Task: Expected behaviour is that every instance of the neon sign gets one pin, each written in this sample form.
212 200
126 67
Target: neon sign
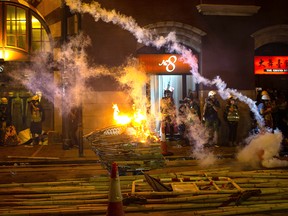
275 65
169 63
164 64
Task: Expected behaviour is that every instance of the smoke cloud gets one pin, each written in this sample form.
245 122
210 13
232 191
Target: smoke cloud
261 150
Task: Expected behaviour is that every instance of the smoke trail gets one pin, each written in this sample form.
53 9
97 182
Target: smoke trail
38 74
147 38
68 83
226 92
72 75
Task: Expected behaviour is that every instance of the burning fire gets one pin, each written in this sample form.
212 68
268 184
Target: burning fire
137 123
120 119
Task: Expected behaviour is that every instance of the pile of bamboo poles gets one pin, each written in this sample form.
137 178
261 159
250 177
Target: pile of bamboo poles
219 192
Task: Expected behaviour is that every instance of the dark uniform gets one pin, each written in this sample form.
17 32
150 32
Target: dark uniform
231 116
210 117
265 109
4 119
37 117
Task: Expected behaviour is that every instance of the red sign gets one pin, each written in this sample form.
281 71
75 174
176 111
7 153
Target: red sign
275 65
164 64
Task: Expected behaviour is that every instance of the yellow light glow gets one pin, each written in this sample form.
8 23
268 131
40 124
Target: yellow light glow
35 22
138 124
139 117
5 54
120 119
10 54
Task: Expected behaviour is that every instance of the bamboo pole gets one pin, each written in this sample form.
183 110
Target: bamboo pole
41 184
246 210
266 185
96 210
90 194
160 207
55 202
48 195
59 197
195 199
42 169
34 158
199 198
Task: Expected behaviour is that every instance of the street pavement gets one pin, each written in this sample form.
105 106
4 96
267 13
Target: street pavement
54 154
52 163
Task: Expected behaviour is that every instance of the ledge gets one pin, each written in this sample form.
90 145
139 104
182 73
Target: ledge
227 10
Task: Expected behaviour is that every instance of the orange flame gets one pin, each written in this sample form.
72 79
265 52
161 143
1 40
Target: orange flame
138 122
120 119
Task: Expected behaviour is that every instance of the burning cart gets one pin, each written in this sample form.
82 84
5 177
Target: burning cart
116 144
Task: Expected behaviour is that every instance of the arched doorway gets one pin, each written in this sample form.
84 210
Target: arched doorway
269 42
180 79
271 48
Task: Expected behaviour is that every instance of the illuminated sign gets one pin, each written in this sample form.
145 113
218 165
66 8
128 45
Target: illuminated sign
164 64
276 65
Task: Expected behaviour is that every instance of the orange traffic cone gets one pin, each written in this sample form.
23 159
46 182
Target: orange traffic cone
115 205
164 150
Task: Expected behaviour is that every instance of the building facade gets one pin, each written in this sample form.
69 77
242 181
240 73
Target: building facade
224 35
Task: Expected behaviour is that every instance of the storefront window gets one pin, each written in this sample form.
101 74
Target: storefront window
16 27
23 31
40 39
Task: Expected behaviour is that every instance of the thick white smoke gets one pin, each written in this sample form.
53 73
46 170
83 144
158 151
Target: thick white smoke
197 136
261 150
73 73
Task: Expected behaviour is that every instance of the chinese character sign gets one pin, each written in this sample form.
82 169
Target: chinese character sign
275 65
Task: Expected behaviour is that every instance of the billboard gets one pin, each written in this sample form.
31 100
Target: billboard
271 65
164 64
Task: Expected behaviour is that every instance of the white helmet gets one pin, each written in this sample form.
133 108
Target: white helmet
4 100
211 93
264 93
265 97
231 97
35 98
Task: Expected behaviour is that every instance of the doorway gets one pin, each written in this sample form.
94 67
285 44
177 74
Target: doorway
158 83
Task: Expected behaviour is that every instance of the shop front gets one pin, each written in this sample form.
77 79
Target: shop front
166 71
23 33
271 72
